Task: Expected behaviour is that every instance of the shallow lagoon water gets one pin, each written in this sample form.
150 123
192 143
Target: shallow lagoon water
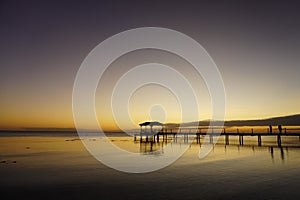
60 167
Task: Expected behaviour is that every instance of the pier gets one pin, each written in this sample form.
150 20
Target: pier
187 134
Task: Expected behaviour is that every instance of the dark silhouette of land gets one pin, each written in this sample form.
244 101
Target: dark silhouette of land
291 120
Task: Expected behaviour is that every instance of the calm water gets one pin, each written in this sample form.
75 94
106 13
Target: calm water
60 167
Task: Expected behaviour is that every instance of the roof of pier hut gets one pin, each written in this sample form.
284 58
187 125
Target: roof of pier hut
151 124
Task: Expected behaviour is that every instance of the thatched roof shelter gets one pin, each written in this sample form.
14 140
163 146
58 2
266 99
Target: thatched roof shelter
155 123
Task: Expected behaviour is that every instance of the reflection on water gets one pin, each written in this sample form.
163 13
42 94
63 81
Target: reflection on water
60 167
282 152
270 146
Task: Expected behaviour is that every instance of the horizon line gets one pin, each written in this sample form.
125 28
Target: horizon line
73 129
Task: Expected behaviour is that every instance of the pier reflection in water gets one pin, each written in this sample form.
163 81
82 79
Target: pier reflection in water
270 146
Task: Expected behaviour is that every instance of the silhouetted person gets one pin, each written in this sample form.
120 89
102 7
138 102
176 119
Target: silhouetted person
270 127
280 129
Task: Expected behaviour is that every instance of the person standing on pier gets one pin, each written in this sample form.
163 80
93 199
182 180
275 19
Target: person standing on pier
270 129
280 129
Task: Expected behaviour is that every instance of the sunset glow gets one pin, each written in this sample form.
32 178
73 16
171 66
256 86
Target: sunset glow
260 73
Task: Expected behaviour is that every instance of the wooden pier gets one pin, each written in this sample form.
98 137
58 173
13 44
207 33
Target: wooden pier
187 134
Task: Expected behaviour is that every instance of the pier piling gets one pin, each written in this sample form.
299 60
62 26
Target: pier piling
259 140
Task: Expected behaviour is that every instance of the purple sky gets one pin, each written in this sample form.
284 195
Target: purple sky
255 45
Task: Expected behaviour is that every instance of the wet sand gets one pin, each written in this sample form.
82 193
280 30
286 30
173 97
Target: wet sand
61 168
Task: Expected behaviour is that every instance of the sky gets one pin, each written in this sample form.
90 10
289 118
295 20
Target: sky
256 46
